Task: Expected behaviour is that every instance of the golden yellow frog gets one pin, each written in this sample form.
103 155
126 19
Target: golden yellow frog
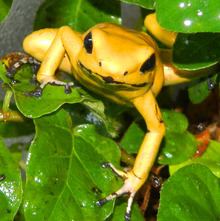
121 64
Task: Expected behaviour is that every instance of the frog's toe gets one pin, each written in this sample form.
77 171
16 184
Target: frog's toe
54 81
37 92
119 173
124 190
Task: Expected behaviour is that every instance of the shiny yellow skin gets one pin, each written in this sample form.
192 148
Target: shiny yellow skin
167 37
116 51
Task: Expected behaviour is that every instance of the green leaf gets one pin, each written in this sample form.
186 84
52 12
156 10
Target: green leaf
97 115
3 73
149 4
132 138
78 14
17 139
10 185
174 121
13 129
4 8
64 173
105 150
189 16
196 51
200 90
120 209
192 193
210 158
177 147
52 97
178 144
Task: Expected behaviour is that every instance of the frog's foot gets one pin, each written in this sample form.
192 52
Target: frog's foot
37 92
15 60
131 185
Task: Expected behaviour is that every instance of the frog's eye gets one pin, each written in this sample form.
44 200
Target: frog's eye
88 43
148 64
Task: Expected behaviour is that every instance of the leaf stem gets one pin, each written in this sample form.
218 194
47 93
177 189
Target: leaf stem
9 115
7 100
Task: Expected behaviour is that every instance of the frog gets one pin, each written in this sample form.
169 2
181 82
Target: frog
121 64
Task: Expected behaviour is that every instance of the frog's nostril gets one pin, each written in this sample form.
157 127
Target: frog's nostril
125 73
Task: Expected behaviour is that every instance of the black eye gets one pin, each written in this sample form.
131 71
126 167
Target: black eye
88 43
148 64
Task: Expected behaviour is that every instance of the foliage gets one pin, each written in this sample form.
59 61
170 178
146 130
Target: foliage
67 137
189 16
187 191
11 184
4 8
210 159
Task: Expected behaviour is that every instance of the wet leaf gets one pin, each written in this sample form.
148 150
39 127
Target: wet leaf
177 147
31 106
64 171
178 144
174 121
201 89
196 51
132 138
192 193
10 184
120 209
189 16
210 158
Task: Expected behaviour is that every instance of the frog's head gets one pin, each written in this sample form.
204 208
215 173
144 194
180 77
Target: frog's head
118 56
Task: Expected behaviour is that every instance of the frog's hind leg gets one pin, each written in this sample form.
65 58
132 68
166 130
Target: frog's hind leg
37 44
166 37
135 178
13 61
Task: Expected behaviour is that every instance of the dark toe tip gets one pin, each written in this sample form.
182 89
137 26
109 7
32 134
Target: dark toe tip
68 89
36 93
127 216
105 164
101 202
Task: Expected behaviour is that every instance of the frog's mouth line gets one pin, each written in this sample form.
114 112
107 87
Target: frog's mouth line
109 79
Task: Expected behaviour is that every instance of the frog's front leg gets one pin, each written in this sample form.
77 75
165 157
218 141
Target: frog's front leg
134 179
55 54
